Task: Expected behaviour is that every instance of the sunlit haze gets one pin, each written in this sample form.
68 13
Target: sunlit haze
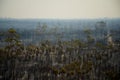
59 9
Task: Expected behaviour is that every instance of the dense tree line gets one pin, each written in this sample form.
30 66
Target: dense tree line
63 60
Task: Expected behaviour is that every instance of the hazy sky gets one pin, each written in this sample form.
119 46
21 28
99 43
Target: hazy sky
59 8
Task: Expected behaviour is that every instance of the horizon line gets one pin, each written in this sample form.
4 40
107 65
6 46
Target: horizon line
62 18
